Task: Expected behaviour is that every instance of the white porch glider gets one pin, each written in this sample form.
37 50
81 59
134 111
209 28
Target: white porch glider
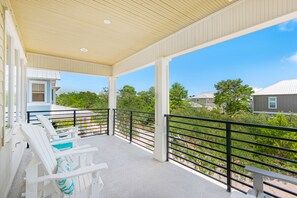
59 136
87 182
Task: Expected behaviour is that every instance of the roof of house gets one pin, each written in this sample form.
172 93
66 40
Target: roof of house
204 95
43 74
284 87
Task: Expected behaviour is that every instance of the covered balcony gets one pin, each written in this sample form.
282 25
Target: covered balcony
167 155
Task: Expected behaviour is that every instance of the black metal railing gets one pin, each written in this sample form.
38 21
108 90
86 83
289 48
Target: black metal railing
135 126
221 150
89 121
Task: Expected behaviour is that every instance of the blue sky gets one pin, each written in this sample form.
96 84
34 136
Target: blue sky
259 59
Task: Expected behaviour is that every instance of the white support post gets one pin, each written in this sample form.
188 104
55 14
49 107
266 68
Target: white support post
112 101
161 107
18 86
10 61
23 91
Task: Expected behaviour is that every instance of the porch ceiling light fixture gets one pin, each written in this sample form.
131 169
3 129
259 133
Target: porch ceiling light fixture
107 21
83 49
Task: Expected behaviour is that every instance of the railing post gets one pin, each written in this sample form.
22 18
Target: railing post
108 121
167 137
74 117
28 117
228 155
131 125
114 120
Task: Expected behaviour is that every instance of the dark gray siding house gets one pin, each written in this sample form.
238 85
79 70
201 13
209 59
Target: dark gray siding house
279 97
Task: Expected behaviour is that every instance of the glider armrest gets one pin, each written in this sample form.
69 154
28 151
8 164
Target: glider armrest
75 152
81 171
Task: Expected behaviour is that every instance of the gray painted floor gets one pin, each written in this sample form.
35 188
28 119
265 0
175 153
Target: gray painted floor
133 173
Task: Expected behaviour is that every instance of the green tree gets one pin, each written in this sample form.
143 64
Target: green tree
177 93
128 99
148 97
232 96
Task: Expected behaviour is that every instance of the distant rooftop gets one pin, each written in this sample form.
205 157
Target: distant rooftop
204 95
284 87
43 74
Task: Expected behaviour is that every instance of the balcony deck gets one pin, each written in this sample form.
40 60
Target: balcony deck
133 173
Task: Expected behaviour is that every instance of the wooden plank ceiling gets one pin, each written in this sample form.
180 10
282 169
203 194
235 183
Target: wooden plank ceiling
62 27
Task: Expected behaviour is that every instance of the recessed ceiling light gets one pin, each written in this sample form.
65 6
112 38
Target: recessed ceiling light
83 49
107 21
230 0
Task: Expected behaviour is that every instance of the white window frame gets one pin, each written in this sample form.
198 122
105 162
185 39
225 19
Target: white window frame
31 92
275 100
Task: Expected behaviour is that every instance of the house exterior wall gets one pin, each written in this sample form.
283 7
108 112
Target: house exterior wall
38 106
285 103
11 152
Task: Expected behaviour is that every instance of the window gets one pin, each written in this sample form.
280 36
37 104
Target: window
272 102
38 92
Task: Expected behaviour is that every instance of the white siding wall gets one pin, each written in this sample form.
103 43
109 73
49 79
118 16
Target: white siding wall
66 65
10 153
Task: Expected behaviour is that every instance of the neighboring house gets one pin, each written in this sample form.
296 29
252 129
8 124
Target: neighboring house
205 99
41 89
279 97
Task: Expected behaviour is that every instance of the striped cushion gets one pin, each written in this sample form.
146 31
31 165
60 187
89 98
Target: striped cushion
65 185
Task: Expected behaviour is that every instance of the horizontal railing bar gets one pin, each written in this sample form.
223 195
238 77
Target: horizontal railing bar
69 110
241 174
144 129
241 182
203 153
138 119
267 155
197 138
135 135
265 164
222 167
235 123
141 116
199 132
142 142
121 135
280 188
135 111
261 135
198 125
197 170
151 149
151 127
143 133
265 145
198 165
199 145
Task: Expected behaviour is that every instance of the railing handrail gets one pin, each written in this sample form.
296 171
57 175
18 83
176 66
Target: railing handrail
134 111
291 129
68 110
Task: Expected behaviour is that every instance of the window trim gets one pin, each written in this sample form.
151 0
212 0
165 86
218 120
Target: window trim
272 97
31 92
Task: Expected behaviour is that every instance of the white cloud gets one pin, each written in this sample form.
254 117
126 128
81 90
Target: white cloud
288 26
292 58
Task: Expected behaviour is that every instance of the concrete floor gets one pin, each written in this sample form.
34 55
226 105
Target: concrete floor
133 173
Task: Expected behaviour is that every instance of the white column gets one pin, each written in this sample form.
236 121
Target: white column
10 61
161 106
112 101
18 86
23 91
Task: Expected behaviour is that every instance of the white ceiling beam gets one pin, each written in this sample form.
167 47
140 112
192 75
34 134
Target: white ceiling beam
238 19
67 65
